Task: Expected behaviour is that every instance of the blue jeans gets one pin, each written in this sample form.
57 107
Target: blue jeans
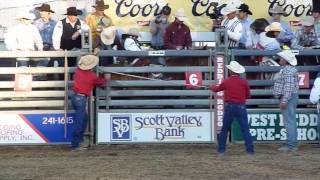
79 104
231 111
290 122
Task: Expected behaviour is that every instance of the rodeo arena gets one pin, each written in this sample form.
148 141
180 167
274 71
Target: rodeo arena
159 89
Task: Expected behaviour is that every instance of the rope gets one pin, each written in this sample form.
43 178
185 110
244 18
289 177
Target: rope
66 99
152 79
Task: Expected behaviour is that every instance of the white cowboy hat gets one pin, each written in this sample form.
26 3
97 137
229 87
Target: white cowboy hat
307 21
108 35
181 15
288 56
275 26
229 8
88 62
235 67
133 32
26 15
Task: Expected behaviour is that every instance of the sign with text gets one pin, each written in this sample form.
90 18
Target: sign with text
266 127
193 79
219 71
34 128
154 127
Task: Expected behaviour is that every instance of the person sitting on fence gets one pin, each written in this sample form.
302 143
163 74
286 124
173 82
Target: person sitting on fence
98 20
108 40
286 35
24 36
131 43
67 33
306 38
45 25
85 80
232 24
286 89
177 35
236 92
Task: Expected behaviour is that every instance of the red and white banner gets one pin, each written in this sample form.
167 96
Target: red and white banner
219 74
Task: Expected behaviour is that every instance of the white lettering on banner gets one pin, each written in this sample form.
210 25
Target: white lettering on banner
270 127
219 77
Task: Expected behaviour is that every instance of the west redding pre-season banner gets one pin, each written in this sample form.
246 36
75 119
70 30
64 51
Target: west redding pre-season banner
138 13
154 127
34 128
270 127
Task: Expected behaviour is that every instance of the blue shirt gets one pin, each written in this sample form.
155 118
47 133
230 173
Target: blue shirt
157 38
45 29
246 35
285 36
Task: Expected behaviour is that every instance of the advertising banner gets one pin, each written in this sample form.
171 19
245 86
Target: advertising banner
269 127
34 128
138 13
154 127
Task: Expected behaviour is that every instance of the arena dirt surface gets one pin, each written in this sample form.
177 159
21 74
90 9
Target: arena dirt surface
157 162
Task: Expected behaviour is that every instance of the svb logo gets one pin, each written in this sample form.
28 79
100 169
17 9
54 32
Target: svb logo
121 128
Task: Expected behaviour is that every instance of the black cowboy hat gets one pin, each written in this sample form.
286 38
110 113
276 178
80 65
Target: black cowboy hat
44 7
315 6
245 8
73 11
259 25
100 6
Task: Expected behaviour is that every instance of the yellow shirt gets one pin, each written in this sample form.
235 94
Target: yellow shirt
93 21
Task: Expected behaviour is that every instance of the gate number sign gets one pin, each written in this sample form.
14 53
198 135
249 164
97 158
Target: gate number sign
193 79
304 79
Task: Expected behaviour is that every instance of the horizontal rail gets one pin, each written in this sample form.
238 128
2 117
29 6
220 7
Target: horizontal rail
31 104
34 70
167 53
36 84
238 52
40 54
40 94
148 69
150 83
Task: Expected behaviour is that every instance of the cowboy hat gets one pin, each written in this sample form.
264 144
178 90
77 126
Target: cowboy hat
100 6
277 10
26 15
88 62
315 6
288 56
229 8
275 26
245 8
259 25
44 7
108 35
133 32
235 67
73 11
180 15
307 21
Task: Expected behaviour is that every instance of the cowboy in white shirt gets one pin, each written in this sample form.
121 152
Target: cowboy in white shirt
315 99
232 24
24 37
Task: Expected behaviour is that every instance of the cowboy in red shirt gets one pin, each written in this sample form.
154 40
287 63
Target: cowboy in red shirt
85 80
236 92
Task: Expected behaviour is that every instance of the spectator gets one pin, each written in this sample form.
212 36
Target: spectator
67 33
85 80
305 38
131 43
286 89
236 92
316 16
157 29
178 34
98 20
45 25
286 35
273 31
232 24
246 38
24 36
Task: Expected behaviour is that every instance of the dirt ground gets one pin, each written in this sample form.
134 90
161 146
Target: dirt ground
157 162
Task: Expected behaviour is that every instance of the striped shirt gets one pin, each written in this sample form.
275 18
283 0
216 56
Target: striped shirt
234 31
286 84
